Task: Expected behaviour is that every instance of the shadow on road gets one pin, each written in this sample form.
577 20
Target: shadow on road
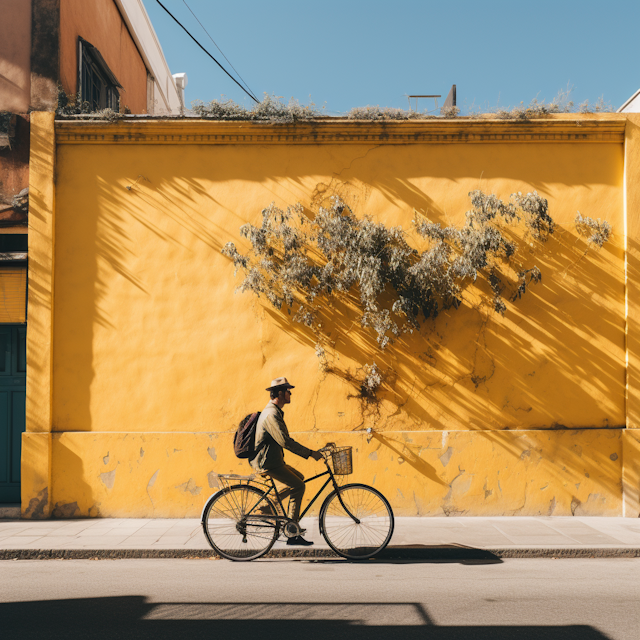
437 553
415 553
135 617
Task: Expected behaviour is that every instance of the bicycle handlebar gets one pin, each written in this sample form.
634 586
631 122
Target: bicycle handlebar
327 449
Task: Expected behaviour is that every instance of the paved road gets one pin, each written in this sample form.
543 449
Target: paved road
324 599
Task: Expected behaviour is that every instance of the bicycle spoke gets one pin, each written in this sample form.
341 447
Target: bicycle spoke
231 532
359 539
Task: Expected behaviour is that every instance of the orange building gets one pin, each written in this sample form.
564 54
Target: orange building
104 53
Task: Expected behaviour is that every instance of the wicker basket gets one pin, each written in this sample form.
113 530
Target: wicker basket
342 461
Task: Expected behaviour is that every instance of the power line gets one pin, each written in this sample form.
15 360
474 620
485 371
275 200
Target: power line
218 48
187 32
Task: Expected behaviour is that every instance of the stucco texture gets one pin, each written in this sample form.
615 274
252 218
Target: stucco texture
156 358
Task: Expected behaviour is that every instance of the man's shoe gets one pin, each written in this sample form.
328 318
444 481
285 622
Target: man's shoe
299 541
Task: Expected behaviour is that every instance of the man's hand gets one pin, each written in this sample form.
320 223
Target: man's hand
316 455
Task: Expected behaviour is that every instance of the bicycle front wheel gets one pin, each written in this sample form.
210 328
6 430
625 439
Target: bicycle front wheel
239 523
357 522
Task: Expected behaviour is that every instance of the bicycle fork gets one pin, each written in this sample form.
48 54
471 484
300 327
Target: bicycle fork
344 506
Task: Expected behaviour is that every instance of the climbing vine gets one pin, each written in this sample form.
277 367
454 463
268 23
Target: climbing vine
300 260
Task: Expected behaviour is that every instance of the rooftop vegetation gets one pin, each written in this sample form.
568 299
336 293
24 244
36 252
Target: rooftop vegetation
275 110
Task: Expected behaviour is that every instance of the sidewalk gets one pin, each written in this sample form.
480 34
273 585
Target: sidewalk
499 537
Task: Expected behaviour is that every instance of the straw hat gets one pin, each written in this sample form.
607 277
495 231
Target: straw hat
280 383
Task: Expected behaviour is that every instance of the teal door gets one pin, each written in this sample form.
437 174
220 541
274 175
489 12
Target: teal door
13 380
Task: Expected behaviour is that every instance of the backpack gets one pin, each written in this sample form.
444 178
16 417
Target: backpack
244 442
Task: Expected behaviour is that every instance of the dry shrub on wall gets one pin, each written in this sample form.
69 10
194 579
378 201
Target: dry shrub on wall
562 103
377 113
597 232
72 105
300 261
272 110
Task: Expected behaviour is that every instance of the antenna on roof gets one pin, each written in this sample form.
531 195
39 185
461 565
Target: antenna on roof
450 100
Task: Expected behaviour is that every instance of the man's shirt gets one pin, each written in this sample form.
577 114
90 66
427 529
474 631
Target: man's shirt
272 436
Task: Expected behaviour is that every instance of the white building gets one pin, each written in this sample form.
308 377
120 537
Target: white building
165 93
632 105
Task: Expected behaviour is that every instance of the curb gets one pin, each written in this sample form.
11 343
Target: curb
408 553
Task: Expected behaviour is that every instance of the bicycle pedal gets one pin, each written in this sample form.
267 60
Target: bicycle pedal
292 530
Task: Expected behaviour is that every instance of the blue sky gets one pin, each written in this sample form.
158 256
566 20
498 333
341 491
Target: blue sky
349 53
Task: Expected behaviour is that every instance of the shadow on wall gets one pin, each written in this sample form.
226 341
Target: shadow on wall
469 369
108 246
555 361
69 464
135 617
409 456
533 473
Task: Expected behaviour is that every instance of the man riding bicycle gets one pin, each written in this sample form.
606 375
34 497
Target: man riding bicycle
272 436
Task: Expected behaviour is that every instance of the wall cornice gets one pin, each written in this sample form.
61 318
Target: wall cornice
578 128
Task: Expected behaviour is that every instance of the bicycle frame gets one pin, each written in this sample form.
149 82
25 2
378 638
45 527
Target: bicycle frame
279 518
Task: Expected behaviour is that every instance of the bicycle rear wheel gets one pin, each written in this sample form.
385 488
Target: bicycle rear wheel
235 528
356 540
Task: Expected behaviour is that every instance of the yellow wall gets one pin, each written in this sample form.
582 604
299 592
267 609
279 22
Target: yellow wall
36 442
155 358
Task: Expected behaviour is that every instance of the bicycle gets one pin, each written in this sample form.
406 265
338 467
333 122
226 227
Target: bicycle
241 521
